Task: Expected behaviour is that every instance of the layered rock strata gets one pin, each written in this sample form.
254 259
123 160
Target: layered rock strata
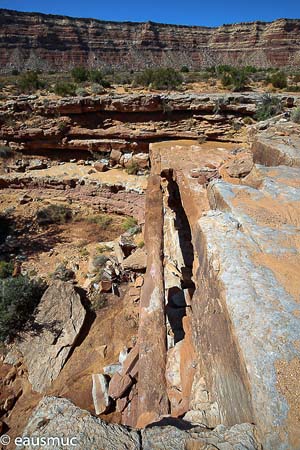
121 127
32 40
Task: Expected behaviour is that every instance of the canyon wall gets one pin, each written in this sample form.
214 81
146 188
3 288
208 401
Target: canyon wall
48 42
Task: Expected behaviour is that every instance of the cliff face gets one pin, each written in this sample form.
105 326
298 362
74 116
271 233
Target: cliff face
32 40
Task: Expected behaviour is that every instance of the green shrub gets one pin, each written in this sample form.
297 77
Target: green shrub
81 92
63 88
161 78
268 107
184 69
6 152
293 88
296 78
6 269
96 76
234 78
15 72
102 220
279 80
129 222
53 214
29 82
80 74
99 261
18 298
295 115
97 89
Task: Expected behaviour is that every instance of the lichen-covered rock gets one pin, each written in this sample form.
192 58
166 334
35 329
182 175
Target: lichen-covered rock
59 417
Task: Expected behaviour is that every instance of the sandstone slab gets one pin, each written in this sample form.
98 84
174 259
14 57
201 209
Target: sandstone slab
58 322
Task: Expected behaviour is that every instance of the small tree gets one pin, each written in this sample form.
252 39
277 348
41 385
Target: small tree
18 298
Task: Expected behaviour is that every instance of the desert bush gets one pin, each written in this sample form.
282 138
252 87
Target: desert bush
64 88
99 261
29 82
18 298
102 220
129 222
295 115
293 88
6 269
97 89
15 72
268 107
96 76
81 92
235 78
53 214
161 78
5 152
184 69
296 78
279 80
80 74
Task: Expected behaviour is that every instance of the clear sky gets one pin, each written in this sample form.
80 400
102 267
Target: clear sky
190 12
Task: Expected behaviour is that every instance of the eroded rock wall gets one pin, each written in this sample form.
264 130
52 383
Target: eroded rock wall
32 40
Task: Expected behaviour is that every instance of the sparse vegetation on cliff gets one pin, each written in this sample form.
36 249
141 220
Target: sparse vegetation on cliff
161 78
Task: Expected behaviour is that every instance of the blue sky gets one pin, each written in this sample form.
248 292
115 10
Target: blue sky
190 12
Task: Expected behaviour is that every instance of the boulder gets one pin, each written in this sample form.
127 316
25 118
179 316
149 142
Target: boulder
58 322
141 160
100 393
58 414
118 385
101 167
115 156
240 166
137 261
59 417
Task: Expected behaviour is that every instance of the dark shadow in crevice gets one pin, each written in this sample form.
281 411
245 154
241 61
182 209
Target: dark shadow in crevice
176 305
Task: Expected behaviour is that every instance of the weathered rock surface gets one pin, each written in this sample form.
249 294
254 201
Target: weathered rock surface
100 393
56 327
245 310
34 40
277 145
136 261
59 417
152 392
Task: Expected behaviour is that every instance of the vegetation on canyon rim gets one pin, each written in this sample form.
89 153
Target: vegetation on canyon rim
83 81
